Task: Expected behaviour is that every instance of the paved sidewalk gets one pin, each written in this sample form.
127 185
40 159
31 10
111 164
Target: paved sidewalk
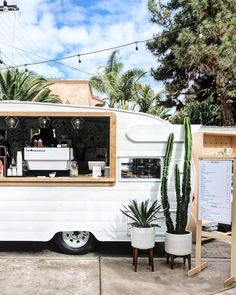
49 276
109 272
118 277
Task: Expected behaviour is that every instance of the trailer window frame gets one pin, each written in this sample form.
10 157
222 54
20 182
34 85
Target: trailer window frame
68 181
140 179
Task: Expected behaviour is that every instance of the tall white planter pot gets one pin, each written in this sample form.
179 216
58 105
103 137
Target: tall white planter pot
143 238
178 245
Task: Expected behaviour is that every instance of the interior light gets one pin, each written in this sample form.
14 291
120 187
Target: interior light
11 122
44 122
77 122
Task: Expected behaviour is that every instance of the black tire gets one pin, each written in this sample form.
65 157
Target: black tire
75 242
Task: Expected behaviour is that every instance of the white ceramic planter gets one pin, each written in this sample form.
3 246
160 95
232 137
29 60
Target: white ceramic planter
143 238
178 244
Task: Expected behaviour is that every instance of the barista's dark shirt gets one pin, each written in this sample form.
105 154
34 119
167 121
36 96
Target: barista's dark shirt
7 145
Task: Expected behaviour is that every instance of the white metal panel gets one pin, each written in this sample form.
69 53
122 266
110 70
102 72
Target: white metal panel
37 213
155 133
22 106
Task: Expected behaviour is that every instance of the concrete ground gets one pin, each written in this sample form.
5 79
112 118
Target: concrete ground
35 268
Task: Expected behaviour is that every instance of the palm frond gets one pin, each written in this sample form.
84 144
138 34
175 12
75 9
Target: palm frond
16 85
113 64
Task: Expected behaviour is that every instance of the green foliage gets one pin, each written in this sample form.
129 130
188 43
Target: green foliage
150 102
126 90
119 86
197 46
16 85
200 112
142 214
182 193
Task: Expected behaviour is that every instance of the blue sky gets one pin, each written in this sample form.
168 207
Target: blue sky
53 29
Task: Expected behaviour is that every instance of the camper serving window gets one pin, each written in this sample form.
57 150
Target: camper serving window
49 144
139 168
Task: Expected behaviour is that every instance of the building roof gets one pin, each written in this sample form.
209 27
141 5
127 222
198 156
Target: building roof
75 92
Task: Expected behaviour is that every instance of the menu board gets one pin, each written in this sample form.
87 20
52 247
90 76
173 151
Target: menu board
215 180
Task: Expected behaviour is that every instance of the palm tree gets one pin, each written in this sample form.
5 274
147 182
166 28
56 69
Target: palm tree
149 102
16 85
118 86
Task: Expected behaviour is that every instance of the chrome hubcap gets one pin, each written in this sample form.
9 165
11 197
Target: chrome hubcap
75 239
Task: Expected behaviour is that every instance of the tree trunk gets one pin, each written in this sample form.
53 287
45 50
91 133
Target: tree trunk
226 107
226 110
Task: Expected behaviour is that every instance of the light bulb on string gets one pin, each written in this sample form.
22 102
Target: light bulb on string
1 61
79 59
5 6
136 47
26 70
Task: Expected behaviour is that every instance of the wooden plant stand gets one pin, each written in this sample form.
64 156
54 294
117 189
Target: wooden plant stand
172 258
150 258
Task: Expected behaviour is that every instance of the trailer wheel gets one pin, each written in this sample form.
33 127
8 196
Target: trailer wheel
75 242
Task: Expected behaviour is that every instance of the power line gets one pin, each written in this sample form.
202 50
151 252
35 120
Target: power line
22 40
13 34
34 53
1 60
11 61
26 42
6 37
25 36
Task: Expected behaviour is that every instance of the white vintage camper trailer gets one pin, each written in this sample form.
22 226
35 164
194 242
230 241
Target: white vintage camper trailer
44 200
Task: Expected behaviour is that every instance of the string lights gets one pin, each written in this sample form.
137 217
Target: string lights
96 51
26 70
5 7
102 50
82 54
1 59
99 50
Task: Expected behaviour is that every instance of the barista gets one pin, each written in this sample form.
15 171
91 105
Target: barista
4 143
45 138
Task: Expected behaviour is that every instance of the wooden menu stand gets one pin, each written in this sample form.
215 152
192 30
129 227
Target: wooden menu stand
199 265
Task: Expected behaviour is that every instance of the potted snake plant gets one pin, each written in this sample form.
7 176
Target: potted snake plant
178 241
144 216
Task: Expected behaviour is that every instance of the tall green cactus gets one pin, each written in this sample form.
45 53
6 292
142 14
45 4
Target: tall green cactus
182 195
186 182
164 184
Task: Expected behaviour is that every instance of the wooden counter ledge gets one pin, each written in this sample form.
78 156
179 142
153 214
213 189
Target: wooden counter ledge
81 180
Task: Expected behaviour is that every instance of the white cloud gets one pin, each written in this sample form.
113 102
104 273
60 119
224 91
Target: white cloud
74 35
112 6
57 28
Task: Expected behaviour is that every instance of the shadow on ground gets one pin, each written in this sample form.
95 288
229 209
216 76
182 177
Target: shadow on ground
117 249
210 249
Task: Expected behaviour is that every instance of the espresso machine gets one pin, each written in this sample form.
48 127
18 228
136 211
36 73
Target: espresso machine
41 161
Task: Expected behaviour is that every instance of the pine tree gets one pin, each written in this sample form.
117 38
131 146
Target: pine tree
196 52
